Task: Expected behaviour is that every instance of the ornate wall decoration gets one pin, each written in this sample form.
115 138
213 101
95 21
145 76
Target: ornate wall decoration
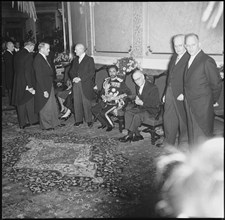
137 29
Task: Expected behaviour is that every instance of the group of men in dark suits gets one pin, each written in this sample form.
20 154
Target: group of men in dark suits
193 87
33 92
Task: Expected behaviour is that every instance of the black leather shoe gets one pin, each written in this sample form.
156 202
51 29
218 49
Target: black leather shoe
90 124
78 123
25 126
126 138
36 123
109 128
49 129
102 126
160 145
137 138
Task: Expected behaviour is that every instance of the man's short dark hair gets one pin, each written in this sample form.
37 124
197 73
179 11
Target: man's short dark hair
112 66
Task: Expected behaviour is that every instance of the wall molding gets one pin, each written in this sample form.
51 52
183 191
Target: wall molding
146 63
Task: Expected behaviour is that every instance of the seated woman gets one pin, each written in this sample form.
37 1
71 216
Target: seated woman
63 89
113 92
62 95
68 104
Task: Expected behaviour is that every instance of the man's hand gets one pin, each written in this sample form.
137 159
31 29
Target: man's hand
216 104
32 91
46 95
76 79
180 97
138 101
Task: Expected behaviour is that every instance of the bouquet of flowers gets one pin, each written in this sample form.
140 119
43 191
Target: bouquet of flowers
62 58
126 65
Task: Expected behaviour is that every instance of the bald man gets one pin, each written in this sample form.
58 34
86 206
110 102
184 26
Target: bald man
82 73
147 105
202 88
174 120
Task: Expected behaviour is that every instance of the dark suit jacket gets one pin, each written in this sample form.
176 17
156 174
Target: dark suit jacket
202 87
175 79
150 97
86 71
9 70
44 81
24 76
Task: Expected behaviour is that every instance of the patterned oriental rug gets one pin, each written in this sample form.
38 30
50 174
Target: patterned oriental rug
44 162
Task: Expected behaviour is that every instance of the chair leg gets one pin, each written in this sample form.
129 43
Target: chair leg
121 123
153 137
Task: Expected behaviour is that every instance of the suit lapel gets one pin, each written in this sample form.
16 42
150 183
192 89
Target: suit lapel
189 70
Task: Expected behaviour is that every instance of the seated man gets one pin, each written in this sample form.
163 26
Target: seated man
147 105
113 91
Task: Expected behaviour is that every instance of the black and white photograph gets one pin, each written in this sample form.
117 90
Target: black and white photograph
112 109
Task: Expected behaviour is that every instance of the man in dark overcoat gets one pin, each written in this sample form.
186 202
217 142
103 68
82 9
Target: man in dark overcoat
174 118
45 100
82 73
24 86
202 88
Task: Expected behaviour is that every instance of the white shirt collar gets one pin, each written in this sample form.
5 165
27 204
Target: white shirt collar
192 58
10 51
180 55
26 49
43 55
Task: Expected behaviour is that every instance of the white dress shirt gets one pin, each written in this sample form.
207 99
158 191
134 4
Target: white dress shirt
141 88
179 57
192 58
81 57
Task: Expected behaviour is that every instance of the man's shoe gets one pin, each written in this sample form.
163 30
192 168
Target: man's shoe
36 123
90 124
61 125
78 123
137 138
49 129
25 126
102 126
126 138
109 128
160 145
